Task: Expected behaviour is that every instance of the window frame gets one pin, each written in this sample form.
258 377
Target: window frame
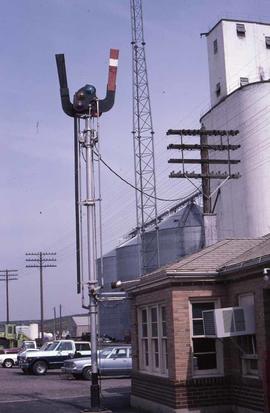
244 81
267 42
218 90
240 30
152 337
219 370
144 340
247 358
215 46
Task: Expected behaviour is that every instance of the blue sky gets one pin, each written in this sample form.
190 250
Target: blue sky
36 154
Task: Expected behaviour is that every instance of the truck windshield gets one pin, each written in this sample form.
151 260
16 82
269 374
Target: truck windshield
54 345
46 346
29 345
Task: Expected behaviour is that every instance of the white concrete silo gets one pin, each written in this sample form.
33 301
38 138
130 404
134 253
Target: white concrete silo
239 73
243 207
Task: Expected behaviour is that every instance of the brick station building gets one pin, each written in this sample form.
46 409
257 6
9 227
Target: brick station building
176 367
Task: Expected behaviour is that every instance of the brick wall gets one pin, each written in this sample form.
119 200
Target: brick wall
266 375
157 389
200 392
182 394
180 390
255 286
247 393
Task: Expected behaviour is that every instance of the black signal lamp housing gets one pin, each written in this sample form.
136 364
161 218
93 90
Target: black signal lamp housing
84 98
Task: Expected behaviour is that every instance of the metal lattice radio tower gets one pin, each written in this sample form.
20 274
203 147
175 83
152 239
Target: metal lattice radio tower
143 140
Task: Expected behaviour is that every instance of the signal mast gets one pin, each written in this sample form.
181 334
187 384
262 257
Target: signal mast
87 108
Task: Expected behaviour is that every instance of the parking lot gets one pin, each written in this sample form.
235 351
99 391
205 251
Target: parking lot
54 392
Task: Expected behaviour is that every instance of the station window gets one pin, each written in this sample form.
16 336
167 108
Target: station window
207 353
153 339
249 356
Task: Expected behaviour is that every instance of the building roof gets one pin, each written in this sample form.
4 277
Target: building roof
81 320
211 261
188 216
234 21
258 254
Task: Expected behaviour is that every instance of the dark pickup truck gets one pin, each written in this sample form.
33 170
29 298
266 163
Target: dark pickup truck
53 356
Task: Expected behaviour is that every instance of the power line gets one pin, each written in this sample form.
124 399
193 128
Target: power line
8 275
40 262
139 190
249 132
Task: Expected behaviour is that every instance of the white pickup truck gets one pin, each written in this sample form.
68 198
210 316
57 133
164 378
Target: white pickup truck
53 356
8 356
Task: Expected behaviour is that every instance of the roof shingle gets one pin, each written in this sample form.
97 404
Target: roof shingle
210 259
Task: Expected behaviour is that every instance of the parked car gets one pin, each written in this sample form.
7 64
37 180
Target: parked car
53 357
112 361
8 357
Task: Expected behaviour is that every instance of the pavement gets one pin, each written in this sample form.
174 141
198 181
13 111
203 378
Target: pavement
54 393
115 402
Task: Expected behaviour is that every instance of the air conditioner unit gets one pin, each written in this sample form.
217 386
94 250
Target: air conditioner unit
228 322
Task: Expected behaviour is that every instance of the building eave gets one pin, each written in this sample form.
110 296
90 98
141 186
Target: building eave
172 279
233 21
230 94
254 263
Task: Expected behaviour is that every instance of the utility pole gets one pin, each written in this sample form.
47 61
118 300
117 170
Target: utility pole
223 145
54 323
41 260
206 190
8 275
60 320
223 148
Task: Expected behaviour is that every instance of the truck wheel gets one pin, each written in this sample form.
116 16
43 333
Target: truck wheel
87 373
40 368
8 363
